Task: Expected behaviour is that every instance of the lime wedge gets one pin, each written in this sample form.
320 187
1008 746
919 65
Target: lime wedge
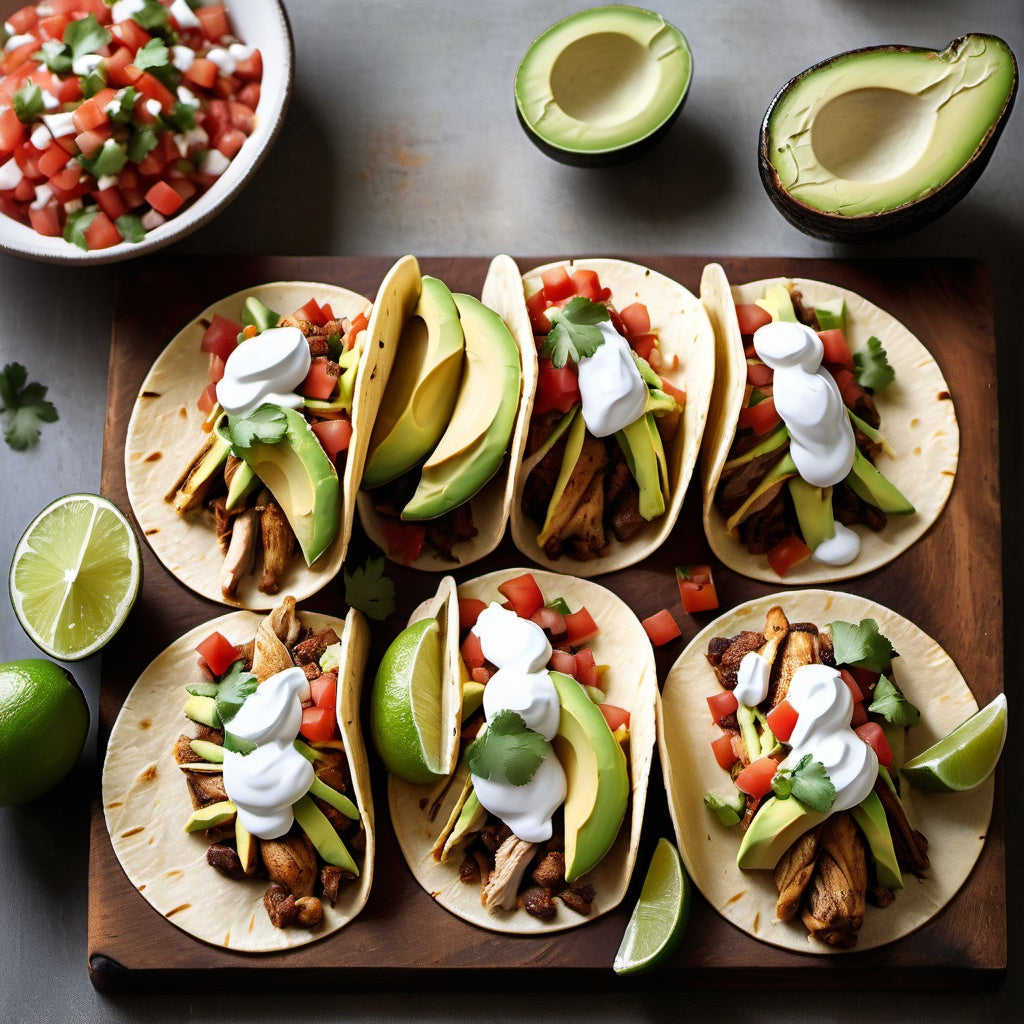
965 757
75 575
405 704
660 916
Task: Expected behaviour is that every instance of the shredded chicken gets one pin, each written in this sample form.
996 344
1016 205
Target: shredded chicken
793 872
241 552
837 896
291 861
278 545
510 864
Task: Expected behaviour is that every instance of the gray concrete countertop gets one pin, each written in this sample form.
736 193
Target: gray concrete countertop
402 137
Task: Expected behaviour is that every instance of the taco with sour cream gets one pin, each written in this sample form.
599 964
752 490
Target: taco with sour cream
833 441
236 788
532 825
784 725
627 361
451 425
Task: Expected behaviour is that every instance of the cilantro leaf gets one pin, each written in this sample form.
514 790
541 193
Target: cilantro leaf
889 702
871 367
152 16
23 407
507 748
236 744
808 782
28 103
55 55
574 332
266 424
235 686
861 645
75 225
141 142
370 589
202 689
122 113
86 35
130 226
153 55
183 118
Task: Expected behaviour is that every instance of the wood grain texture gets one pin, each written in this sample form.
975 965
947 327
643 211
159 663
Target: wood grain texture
950 584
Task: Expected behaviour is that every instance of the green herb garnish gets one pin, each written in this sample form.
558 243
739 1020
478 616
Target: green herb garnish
889 702
507 748
153 55
871 367
85 35
370 589
266 424
55 55
808 782
861 645
28 103
574 332
23 406
235 686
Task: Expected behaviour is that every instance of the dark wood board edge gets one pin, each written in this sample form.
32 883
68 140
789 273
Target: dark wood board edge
967 537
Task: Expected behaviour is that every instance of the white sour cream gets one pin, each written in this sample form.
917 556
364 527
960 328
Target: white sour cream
839 549
823 704
520 649
752 679
613 392
266 368
264 784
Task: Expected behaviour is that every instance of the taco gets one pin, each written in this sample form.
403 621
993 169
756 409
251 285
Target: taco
242 507
603 480
558 845
762 515
860 867
187 847
438 479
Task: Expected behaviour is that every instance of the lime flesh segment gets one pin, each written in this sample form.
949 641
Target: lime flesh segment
660 916
75 576
965 757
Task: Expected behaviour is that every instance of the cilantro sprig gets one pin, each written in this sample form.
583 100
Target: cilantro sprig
507 748
23 406
370 589
808 782
861 645
871 367
266 424
889 702
574 332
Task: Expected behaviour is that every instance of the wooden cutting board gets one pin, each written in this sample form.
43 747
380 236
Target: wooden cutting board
950 584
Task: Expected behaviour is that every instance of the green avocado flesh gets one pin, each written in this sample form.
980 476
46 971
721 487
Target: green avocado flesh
602 80
874 130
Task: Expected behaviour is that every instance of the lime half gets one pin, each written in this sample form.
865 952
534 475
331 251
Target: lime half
660 916
965 757
405 704
75 575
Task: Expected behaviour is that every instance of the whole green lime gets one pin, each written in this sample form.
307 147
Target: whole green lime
44 719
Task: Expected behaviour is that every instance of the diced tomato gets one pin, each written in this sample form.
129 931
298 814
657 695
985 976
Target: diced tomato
751 316
320 382
535 306
851 391
214 19
551 620
53 26
788 552
472 652
250 69
858 716
836 348
872 734
221 337
670 389
46 220
216 369
645 346
334 435
404 541
218 652
229 141
68 90
724 752
318 724
131 33
696 588
153 89
481 674
102 232
469 611
54 159
557 388
722 704
759 375
782 719
761 417
755 779
585 658
580 628
12 131
564 662
324 690
636 319
164 199
243 118
249 94
616 717
311 311
661 627
88 115
357 324
557 284
865 677
24 19
119 68
523 593
208 398
587 284
202 72
855 691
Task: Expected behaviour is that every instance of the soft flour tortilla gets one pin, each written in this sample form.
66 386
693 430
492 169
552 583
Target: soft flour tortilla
165 432
918 421
502 292
688 341
630 682
146 803
954 824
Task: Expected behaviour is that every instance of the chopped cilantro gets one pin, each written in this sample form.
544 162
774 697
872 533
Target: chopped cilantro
28 103
890 703
55 55
203 689
153 55
182 117
235 686
808 782
507 748
76 224
93 82
130 226
266 424
370 589
85 35
152 16
125 99
861 645
23 406
560 605
109 159
236 744
141 142
871 367
574 332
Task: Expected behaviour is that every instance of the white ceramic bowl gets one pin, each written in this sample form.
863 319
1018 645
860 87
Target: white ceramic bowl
260 23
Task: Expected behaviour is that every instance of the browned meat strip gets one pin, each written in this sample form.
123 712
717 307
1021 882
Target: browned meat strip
834 908
799 648
910 846
312 648
291 861
225 859
278 545
726 662
550 870
280 905
510 864
205 788
794 872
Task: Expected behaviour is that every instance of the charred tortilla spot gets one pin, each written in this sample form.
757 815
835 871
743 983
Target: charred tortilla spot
146 723
150 394
148 774
177 910
153 457
133 831
944 396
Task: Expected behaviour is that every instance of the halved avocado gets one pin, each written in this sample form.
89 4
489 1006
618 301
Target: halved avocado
876 142
602 85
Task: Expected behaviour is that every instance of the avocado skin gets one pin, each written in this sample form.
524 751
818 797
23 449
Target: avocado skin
903 220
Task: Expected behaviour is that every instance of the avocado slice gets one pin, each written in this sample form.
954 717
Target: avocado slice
244 481
868 483
602 85
831 314
256 314
477 437
775 827
645 455
422 388
773 440
728 809
203 710
190 490
335 799
577 430
777 301
303 481
870 816
878 141
247 846
322 835
813 507
212 752
210 816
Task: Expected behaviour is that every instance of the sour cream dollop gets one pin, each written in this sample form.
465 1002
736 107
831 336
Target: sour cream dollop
264 784
823 705
266 368
520 649
612 390
752 679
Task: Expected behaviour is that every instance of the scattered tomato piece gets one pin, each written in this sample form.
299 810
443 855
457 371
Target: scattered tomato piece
661 627
696 588
218 652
